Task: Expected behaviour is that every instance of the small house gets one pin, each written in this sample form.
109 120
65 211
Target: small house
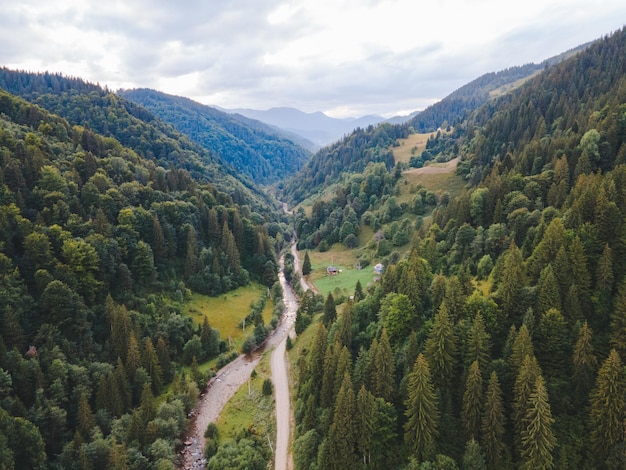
379 268
332 270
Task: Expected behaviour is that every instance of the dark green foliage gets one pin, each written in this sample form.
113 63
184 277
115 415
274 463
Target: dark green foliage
102 236
306 264
251 147
541 226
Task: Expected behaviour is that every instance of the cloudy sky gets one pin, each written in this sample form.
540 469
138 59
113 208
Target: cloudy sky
343 57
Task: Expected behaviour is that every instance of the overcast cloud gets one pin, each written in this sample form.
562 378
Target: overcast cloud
343 57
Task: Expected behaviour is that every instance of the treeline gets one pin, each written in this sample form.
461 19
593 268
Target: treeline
99 250
500 341
252 148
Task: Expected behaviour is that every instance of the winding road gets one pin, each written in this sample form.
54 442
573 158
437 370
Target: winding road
223 386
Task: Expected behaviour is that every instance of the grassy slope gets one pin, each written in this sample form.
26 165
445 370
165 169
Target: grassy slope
226 311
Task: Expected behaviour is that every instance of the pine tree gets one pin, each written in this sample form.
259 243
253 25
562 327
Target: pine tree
344 366
330 311
84 417
522 347
537 439
191 258
358 292
440 349
133 358
473 457
344 332
316 361
554 344
511 282
421 428
585 362
383 369
331 358
608 407
150 362
306 264
365 423
472 402
492 425
549 295
603 293
522 390
477 344
342 433
618 321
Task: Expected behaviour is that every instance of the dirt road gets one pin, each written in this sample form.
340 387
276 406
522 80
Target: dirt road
223 386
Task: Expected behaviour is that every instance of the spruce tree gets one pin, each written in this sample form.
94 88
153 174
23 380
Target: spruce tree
523 388
383 369
342 433
549 295
537 439
473 458
440 349
618 321
585 362
522 347
477 343
511 282
608 407
330 311
366 410
472 402
306 264
421 428
492 425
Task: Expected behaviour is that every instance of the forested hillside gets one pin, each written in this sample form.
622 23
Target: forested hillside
500 340
251 147
133 126
100 248
352 153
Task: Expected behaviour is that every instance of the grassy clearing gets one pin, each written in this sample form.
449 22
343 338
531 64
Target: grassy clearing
226 311
249 408
437 182
412 145
345 260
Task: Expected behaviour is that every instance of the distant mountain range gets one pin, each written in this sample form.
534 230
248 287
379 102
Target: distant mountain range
316 127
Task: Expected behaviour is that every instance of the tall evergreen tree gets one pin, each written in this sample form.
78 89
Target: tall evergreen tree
608 407
585 362
477 347
342 433
522 347
618 321
472 402
511 282
492 425
440 349
383 369
422 412
330 311
306 264
523 388
366 409
537 439
549 295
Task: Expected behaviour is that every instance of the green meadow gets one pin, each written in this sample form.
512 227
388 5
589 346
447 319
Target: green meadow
226 312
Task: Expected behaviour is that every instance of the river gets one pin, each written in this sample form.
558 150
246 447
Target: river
228 379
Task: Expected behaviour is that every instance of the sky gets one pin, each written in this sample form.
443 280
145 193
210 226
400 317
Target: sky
342 57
